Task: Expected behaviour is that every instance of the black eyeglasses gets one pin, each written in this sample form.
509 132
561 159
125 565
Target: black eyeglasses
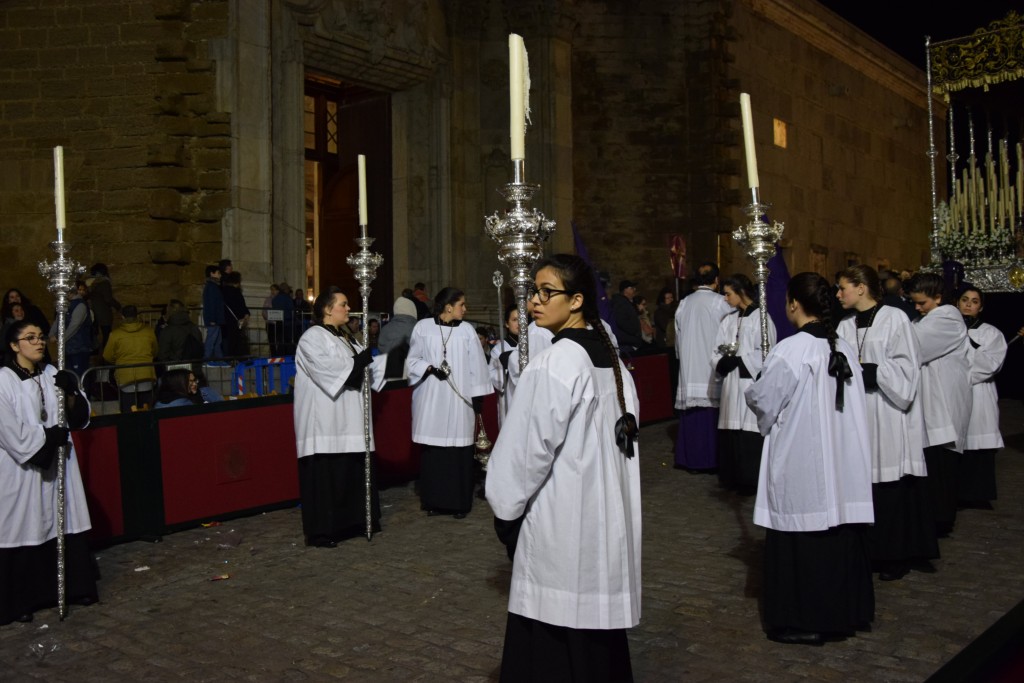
544 294
32 339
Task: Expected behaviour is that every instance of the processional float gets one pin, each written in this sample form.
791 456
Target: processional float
60 274
365 264
980 224
758 236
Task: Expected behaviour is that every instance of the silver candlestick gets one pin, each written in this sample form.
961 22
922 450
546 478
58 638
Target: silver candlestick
499 281
365 264
61 275
759 238
519 234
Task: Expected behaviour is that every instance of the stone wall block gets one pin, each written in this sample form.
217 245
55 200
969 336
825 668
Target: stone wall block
18 17
130 201
165 203
178 10
174 50
165 154
170 252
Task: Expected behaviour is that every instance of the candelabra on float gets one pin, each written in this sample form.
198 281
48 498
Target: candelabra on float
365 264
60 274
757 236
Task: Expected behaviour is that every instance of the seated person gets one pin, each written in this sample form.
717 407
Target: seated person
178 388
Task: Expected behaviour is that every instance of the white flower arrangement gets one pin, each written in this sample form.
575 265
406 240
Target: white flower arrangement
980 247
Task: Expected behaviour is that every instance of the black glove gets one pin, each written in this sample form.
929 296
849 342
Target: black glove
66 381
478 404
438 373
870 373
508 533
394 366
55 437
727 364
503 359
359 363
974 343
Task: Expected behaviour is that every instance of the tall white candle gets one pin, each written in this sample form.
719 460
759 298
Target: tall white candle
58 189
748 140
362 193
516 95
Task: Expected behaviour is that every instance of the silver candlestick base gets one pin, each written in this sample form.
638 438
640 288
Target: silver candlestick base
759 238
365 264
519 234
61 274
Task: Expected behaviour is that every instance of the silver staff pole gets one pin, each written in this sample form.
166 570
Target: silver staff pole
365 264
759 238
519 234
499 281
60 274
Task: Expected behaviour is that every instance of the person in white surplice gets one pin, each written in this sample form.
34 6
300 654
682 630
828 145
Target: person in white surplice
814 490
697 321
328 414
903 536
737 359
29 439
977 477
564 483
449 371
946 395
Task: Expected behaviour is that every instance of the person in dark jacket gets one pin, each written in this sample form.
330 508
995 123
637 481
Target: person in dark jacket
213 313
101 298
181 338
627 320
236 316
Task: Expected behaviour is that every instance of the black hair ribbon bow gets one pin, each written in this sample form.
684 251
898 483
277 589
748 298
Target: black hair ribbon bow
839 368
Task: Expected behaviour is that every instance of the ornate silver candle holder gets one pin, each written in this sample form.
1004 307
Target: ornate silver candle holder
519 234
759 238
61 274
365 264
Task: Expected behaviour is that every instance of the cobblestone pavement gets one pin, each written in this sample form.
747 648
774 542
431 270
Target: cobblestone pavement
425 601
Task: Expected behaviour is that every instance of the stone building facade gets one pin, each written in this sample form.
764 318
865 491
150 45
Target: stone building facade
183 123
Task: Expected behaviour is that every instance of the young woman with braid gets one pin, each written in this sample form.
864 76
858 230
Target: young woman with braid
814 491
903 536
564 483
946 396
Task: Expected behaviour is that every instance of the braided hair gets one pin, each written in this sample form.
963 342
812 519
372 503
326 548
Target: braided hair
814 294
578 278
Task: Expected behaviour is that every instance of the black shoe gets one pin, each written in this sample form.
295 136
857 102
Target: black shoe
84 601
924 566
24 618
892 574
459 515
321 543
791 636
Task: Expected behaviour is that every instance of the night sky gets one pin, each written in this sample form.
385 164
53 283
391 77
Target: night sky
902 26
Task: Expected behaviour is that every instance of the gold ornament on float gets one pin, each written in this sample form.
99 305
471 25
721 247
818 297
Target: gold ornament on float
1017 277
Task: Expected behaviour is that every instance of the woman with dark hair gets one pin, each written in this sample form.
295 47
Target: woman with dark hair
32 313
737 359
664 319
946 395
328 413
977 475
101 298
903 535
448 369
814 492
500 354
29 441
178 387
564 483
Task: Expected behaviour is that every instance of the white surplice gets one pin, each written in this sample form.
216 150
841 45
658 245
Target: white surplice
538 340
986 360
895 419
697 320
499 376
816 461
28 496
439 416
946 394
577 563
328 415
733 412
